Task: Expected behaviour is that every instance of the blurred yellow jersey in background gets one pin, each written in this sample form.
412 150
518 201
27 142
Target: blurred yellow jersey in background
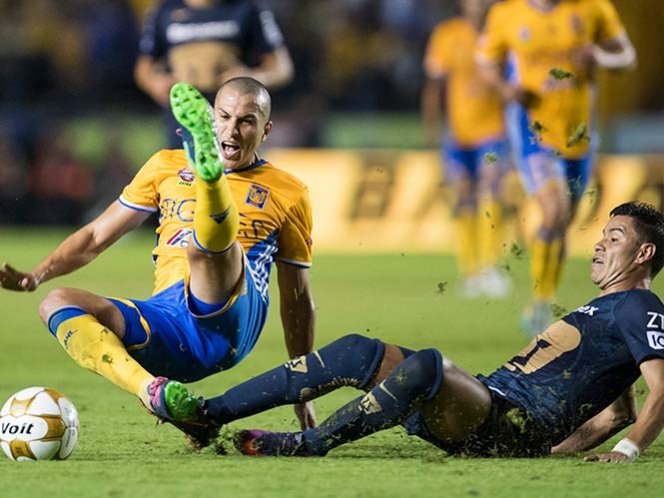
274 208
534 42
474 109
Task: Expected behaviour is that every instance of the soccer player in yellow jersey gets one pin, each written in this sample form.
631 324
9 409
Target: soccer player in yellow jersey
474 150
223 221
541 55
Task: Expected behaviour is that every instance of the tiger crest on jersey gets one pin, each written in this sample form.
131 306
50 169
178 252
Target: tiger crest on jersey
257 196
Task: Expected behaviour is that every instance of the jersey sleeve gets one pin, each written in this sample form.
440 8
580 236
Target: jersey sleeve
609 25
151 41
295 243
641 322
141 193
264 30
492 44
437 55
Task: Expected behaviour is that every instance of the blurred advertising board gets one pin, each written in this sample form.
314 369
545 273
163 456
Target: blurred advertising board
378 200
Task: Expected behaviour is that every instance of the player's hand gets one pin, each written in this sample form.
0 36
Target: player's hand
306 415
612 457
12 279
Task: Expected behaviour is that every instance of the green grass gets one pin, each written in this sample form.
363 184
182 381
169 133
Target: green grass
122 454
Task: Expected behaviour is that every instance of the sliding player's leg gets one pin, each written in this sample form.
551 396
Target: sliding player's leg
352 360
461 405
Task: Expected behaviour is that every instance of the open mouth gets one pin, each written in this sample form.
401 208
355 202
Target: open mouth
598 261
229 149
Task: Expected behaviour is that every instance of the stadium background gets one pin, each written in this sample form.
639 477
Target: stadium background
74 128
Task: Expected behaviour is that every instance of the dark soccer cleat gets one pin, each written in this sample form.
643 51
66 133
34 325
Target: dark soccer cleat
194 113
256 442
200 432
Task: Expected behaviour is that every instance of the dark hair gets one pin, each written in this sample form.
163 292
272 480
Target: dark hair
649 225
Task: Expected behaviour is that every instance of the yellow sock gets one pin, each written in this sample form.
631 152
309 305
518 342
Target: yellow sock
490 232
545 267
216 218
96 348
466 242
556 266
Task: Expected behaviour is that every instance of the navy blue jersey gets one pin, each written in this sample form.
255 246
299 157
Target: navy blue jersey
582 363
199 44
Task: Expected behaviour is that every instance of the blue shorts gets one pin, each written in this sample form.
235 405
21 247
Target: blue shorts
467 162
168 339
539 164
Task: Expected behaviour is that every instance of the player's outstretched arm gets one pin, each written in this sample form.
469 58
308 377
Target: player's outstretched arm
77 250
607 423
649 422
298 316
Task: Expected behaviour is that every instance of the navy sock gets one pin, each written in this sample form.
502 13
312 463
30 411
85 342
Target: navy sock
349 361
414 381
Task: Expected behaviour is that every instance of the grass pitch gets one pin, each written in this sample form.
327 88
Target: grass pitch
408 299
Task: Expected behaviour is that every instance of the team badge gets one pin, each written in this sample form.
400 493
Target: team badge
257 196
179 15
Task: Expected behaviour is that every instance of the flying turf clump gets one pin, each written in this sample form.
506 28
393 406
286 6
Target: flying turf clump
490 158
579 134
536 128
560 74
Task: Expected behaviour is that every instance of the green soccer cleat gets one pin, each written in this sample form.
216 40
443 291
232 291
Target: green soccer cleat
171 400
193 112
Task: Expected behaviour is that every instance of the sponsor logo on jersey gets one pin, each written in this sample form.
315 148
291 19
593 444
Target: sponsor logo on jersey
257 196
187 176
182 33
655 339
524 34
180 238
656 320
588 310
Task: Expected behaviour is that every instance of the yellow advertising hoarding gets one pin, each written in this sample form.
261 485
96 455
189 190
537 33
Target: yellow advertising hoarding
368 201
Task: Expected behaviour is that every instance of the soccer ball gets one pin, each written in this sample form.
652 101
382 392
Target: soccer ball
38 423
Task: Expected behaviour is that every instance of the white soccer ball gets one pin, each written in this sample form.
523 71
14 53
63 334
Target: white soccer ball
38 423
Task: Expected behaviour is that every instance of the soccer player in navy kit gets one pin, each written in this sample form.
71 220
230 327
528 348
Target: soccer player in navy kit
206 43
568 391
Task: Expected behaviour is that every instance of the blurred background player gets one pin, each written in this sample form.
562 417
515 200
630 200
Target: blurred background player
221 227
541 56
474 151
205 43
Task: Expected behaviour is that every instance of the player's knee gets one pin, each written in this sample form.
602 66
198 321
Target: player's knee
358 355
54 300
421 373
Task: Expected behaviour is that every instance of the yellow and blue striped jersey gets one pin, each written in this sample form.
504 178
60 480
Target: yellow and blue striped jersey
474 109
274 209
533 42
